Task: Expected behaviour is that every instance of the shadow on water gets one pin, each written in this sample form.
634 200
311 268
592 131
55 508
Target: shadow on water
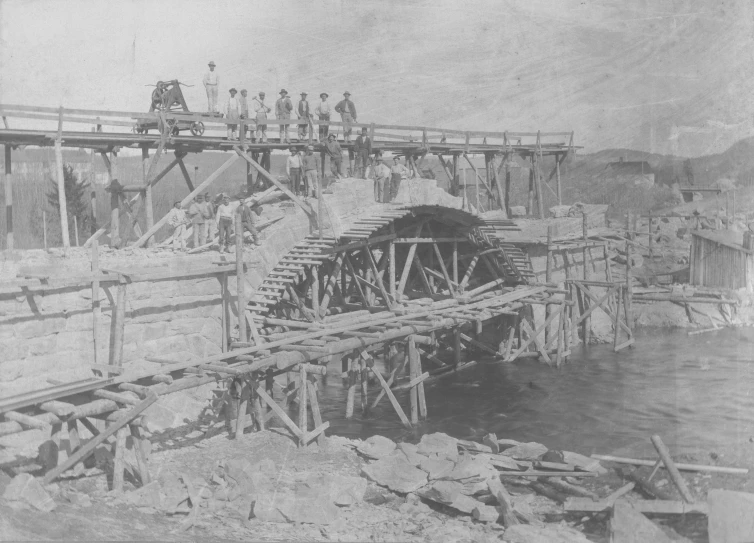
693 390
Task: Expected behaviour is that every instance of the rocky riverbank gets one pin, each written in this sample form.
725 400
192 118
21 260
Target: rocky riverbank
263 487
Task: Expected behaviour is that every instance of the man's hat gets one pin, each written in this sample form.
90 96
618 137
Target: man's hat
232 89
310 147
331 136
346 93
293 150
304 94
324 94
244 90
283 91
211 63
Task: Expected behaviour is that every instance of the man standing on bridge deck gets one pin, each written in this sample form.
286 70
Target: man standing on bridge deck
381 182
363 150
283 108
398 172
232 113
243 103
304 114
323 111
311 167
333 150
260 111
211 82
347 111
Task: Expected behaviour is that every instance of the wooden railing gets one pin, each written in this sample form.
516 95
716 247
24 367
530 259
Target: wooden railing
418 134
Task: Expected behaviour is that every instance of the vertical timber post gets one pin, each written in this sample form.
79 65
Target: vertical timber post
627 300
119 323
548 276
8 199
61 183
240 278
391 264
224 313
413 374
585 235
557 177
96 311
149 212
530 201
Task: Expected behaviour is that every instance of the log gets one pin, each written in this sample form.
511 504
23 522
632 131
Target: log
680 466
497 489
87 449
548 492
392 398
533 473
675 475
625 489
648 488
664 507
568 488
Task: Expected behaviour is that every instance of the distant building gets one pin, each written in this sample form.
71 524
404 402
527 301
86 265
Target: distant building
722 258
638 172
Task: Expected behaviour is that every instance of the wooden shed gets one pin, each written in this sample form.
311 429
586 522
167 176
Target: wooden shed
722 258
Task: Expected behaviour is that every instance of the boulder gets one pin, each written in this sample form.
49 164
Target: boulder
397 474
450 493
341 489
440 444
518 211
731 516
409 451
47 454
436 467
583 462
630 526
471 469
554 456
376 447
27 489
558 212
525 451
301 505
146 496
559 533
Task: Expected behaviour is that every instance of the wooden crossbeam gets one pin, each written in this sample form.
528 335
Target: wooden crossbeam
536 333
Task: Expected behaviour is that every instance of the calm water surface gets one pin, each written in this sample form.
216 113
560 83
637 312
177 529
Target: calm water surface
695 391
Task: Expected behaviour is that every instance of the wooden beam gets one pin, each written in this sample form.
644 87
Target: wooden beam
206 183
62 203
300 203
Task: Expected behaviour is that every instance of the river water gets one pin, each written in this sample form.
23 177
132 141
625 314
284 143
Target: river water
695 391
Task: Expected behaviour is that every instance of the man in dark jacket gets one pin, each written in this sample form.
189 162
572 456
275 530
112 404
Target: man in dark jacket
304 114
362 149
347 111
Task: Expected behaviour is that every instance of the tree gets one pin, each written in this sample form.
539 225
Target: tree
76 199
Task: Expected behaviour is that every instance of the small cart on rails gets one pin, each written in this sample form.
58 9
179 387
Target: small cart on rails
167 97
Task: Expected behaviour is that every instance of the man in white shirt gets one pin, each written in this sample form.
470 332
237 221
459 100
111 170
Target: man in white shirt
398 172
303 114
243 103
224 219
323 114
381 177
283 108
232 113
211 82
260 111
177 219
293 169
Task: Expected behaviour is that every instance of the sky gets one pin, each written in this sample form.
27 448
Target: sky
666 76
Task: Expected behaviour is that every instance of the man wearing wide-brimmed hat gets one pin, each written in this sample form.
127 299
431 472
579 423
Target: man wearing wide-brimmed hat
260 112
211 82
347 111
304 114
323 114
283 108
232 113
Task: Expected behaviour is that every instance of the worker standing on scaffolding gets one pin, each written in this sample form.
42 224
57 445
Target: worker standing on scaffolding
363 150
177 219
347 111
381 182
304 114
310 167
243 103
224 223
323 114
260 111
232 113
283 108
196 216
398 172
211 82
333 150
